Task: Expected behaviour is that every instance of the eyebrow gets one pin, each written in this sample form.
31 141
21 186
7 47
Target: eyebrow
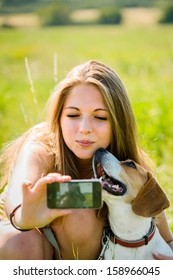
75 108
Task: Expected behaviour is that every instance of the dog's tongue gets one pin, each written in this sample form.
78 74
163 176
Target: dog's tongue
107 167
114 189
99 171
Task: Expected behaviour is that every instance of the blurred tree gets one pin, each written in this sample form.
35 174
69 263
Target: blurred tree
167 16
110 16
14 2
57 13
87 4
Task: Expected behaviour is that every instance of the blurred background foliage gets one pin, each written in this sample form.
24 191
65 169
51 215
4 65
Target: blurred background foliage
61 12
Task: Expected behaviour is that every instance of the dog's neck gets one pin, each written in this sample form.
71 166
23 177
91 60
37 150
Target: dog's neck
124 223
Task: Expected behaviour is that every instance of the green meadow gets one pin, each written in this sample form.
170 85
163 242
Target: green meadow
33 60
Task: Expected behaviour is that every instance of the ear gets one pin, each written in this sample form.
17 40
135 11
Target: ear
151 199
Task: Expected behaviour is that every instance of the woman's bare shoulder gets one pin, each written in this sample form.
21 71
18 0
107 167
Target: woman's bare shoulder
38 149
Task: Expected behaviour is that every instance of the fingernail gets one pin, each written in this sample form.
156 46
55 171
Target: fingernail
27 182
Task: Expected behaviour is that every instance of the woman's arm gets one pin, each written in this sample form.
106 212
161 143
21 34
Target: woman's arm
166 234
30 166
27 186
164 229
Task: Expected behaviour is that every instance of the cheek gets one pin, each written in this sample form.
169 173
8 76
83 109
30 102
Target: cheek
67 128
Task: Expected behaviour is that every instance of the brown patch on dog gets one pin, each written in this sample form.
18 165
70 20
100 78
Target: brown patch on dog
151 199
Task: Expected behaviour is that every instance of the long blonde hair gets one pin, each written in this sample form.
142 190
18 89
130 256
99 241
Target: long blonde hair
124 132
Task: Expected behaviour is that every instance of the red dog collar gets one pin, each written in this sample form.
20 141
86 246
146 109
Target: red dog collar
135 243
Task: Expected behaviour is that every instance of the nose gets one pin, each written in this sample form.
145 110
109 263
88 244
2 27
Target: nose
85 126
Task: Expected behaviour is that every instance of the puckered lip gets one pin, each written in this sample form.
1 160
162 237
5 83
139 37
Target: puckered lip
109 183
84 142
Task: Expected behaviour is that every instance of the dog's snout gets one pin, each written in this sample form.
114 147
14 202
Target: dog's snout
99 154
97 160
108 162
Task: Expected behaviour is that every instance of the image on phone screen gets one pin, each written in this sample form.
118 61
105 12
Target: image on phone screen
74 194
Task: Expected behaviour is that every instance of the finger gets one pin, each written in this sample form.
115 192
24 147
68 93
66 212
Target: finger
54 174
42 182
58 177
50 179
161 257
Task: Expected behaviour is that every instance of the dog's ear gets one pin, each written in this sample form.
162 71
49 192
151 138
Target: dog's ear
151 199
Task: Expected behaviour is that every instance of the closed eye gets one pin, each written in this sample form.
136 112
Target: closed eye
72 115
130 164
102 118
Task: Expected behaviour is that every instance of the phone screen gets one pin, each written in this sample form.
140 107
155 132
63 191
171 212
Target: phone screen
75 194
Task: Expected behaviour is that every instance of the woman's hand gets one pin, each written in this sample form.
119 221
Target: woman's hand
34 211
162 257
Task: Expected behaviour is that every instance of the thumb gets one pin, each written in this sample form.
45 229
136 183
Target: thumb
26 186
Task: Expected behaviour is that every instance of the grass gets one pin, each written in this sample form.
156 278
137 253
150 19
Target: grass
141 55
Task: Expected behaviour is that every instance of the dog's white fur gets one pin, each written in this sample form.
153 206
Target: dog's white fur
130 214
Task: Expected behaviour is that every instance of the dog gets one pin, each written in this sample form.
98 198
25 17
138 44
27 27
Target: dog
134 198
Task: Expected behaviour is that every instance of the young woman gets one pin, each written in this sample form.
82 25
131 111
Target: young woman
89 109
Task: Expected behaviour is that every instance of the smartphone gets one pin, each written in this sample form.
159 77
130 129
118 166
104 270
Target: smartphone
75 194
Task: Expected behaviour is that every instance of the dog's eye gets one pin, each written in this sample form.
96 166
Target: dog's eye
130 164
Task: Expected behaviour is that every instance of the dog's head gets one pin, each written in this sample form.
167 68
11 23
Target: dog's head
130 181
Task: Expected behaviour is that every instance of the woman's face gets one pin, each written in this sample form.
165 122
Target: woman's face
85 121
